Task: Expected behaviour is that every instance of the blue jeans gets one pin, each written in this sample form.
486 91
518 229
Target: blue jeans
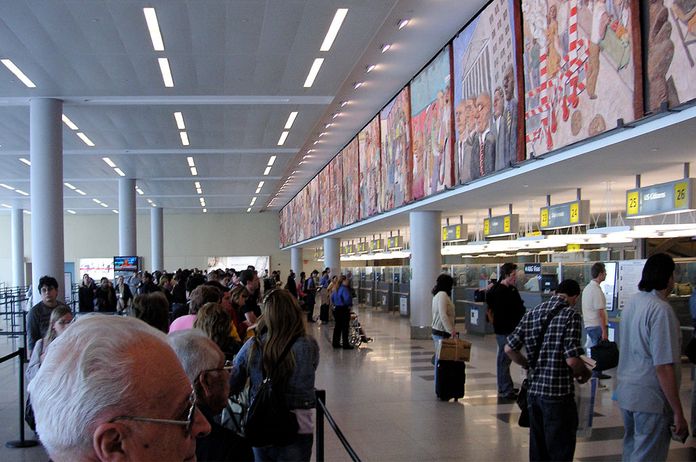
505 385
552 426
298 451
646 436
594 335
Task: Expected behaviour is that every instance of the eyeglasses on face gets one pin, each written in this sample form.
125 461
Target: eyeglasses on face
227 366
187 424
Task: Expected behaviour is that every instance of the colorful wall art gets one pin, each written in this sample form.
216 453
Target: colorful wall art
370 181
486 100
431 127
582 69
335 195
396 152
324 199
671 52
351 185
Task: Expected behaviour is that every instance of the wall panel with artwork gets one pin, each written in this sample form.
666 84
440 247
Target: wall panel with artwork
351 185
335 195
396 152
370 178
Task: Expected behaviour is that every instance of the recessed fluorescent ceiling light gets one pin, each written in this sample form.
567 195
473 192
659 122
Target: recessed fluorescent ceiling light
6 206
70 186
7 186
179 118
385 47
119 171
199 190
149 201
153 27
403 23
69 123
115 211
323 133
80 192
166 72
197 184
283 137
313 71
84 138
153 204
333 29
253 201
139 191
291 120
271 161
18 73
261 183
190 162
370 68
19 191
71 212
109 162
97 201
336 114
104 205
344 103
184 138
258 190
267 171
357 85
194 171
205 210
25 161
249 210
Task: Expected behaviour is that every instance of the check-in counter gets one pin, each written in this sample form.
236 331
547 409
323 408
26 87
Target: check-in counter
383 296
366 293
401 296
474 313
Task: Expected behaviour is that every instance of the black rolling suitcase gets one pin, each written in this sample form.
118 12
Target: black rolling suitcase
449 379
324 313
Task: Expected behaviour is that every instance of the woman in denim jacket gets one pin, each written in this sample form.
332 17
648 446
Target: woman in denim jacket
282 322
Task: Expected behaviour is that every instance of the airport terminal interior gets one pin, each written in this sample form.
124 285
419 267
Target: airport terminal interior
389 140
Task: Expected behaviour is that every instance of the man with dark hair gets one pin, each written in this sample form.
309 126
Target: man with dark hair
594 312
40 314
505 309
649 371
555 361
148 286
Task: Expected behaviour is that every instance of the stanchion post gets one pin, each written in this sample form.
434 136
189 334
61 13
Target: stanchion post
21 443
321 397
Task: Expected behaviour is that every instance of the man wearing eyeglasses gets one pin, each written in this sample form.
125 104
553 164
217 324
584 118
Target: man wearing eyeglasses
206 368
111 388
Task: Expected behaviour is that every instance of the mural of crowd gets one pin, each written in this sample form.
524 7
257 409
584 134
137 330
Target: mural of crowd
522 79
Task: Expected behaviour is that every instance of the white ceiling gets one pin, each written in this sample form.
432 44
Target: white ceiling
239 68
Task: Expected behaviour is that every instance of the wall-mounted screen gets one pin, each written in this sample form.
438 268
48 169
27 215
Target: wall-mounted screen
126 264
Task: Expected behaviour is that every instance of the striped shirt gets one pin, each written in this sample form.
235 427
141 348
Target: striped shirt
551 377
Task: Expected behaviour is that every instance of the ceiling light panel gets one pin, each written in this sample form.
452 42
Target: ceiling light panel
109 162
85 139
333 29
283 137
166 72
179 119
190 161
271 161
267 171
291 120
19 191
119 172
154 29
18 73
184 138
69 123
25 161
313 71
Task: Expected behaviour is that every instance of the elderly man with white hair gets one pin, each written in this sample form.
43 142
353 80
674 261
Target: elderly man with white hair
111 388
205 365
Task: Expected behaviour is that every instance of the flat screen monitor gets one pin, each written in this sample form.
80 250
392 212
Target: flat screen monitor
125 263
549 282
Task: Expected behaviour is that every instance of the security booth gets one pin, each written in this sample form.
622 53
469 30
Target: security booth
401 290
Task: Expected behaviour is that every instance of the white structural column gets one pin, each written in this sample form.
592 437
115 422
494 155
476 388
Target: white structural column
426 265
332 255
296 261
46 152
18 247
127 233
157 238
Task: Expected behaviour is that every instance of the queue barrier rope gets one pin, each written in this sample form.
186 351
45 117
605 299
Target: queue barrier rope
323 413
22 442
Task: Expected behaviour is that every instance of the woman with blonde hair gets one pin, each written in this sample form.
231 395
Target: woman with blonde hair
214 320
286 353
61 317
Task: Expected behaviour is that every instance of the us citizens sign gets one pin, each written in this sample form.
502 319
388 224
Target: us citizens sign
564 215
672 197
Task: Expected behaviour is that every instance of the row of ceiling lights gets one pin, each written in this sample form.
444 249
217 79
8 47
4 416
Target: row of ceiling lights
330 36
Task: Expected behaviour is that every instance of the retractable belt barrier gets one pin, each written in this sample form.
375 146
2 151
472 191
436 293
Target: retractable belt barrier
21 442
323 413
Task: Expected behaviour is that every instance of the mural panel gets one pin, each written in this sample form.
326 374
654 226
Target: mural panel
351 185
370 180
431 127
396 152
486 99
335 194
581 69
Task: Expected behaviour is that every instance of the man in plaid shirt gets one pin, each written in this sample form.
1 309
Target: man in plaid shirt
553 416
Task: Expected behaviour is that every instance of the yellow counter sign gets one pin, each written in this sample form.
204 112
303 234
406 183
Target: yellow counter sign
506 224
632 203
486 226
575 212
680 194
544 217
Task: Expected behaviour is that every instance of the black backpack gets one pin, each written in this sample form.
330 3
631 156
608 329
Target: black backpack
269 421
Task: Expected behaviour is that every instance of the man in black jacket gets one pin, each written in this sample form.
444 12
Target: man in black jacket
505 309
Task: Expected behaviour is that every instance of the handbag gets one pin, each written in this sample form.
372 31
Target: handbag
523 421
606 354
269 421
235 412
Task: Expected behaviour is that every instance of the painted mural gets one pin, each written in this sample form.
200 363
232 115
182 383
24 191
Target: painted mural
396 152
370 181
431 128
324 199
335 194
671 52
581 69
351 185
486 100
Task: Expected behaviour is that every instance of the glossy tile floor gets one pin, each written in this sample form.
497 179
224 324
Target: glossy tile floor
382 396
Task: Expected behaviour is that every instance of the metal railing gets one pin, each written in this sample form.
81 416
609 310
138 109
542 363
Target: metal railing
323 413
21 442
12 313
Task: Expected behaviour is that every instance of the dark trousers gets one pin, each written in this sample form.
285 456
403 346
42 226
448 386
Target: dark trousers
309 306
342 317
552 426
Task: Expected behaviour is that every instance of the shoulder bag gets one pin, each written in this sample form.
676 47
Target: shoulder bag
269 420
